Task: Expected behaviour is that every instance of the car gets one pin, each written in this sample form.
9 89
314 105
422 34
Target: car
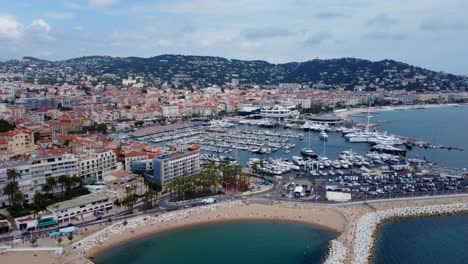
98 218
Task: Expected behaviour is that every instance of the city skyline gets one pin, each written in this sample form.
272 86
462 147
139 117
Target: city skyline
430 36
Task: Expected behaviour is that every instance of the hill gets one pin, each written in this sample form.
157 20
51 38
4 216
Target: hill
204 70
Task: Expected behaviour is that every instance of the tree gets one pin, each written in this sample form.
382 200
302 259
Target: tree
102 128
13 175
63 180
51 182
139 123
37 136
70 237
47 189
130 199
10 190
59 240
5 126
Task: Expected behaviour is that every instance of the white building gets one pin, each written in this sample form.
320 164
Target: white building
170 110
81 207
35 172
96 165
278 112
176 165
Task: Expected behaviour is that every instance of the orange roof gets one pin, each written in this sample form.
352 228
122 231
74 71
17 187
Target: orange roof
3 142
135 154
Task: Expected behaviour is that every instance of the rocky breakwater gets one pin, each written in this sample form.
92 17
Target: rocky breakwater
368 225
336 252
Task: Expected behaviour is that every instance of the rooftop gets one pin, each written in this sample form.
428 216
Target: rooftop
82 200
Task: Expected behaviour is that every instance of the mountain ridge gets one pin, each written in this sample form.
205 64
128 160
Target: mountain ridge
207 70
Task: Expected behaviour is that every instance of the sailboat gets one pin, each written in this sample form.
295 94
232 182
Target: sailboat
308 152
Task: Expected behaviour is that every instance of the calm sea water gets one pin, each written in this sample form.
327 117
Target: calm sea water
237 242
438 126
432 240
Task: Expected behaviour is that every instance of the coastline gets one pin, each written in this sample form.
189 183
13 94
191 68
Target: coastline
354 111
331 219
369 225
397 218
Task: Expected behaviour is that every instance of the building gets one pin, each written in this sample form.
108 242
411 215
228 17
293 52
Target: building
134 156
93 167
278 112
16 142
81 207
35 172
176 165
331 120
170 110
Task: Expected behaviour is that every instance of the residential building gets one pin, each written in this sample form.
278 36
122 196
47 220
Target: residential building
94 166
175 165
16 142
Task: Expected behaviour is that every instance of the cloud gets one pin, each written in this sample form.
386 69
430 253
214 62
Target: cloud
250 45
59 15
441 25
102 3
40 30
71 5
10 28
318 38
385 36
382 21
331 15
264 33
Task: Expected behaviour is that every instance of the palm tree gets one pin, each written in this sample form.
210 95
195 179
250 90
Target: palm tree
51 182
13 175
47 189
63 180
18 199
76 180
10 190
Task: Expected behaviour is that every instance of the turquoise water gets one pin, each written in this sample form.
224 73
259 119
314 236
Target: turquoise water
438 126
237 242
433 240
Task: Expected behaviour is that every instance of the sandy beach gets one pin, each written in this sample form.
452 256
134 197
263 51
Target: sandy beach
350 222
325 217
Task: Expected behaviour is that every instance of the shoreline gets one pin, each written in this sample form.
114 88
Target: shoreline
322 217
369 225
104 249
354 111
398 218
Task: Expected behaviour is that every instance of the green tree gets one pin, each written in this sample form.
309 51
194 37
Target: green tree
10 190
64 181
51 182
102 128
5 126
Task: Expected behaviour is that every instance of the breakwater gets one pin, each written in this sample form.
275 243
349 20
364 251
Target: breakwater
367 226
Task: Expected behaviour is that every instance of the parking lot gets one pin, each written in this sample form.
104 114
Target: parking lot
393 185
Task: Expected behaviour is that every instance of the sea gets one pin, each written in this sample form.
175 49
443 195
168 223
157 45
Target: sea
228 243
428 240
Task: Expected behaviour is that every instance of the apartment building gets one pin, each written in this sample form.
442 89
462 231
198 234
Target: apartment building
16 142
175 165
35 172
94 166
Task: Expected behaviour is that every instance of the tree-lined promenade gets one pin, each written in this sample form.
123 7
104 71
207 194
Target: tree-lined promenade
211 180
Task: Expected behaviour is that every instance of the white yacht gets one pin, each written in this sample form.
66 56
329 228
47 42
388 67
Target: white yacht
323 135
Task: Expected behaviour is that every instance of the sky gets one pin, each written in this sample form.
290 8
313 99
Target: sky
427 33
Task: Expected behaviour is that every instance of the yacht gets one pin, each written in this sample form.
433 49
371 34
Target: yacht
307 152
323 135
298 161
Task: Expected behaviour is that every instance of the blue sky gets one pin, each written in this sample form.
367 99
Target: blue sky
429 33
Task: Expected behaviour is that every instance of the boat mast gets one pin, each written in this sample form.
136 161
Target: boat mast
368 116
